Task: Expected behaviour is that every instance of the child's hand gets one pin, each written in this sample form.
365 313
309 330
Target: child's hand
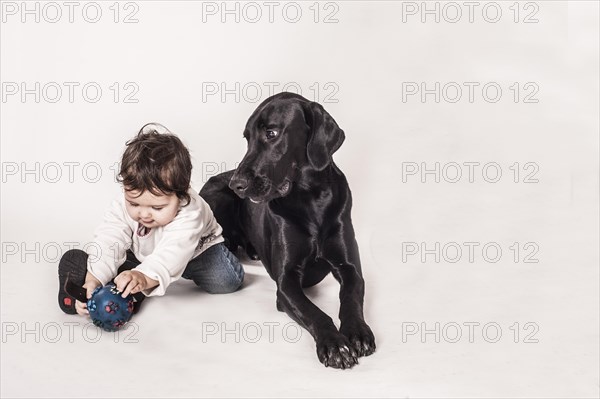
91 283
132 282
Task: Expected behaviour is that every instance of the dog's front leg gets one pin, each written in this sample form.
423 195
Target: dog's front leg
333 348
341 251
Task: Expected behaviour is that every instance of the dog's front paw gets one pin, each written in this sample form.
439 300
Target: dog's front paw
360 336
335 351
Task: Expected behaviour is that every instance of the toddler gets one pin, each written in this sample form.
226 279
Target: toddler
159 231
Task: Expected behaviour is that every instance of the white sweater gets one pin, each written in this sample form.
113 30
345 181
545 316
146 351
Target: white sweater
164 252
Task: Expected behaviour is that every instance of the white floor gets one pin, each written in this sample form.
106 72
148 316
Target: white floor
190 344
520 323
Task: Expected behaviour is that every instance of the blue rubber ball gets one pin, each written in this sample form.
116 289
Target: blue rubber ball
108 309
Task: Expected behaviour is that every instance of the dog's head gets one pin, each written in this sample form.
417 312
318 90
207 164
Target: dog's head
287 134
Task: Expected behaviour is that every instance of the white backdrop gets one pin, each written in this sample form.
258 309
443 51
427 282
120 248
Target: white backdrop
471 149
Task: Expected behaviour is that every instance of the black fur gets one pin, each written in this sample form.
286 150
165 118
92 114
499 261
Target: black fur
288 204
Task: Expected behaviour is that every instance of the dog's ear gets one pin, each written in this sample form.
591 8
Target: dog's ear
325 136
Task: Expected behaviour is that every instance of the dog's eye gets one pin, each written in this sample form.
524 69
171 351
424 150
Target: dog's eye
271 134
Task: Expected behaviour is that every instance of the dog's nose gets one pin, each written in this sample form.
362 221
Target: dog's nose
238 184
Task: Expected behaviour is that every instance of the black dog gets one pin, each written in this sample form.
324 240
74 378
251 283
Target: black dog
289 204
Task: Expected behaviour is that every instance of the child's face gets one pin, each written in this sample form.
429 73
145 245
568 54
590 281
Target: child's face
151 210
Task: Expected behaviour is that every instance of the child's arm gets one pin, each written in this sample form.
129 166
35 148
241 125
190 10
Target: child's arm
132 282
171 255
111 241
91 283
180 239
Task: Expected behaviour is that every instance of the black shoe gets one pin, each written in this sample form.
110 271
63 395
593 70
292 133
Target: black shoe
72 267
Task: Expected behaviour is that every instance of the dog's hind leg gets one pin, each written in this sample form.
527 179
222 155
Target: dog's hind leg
315 273
224 204
250 251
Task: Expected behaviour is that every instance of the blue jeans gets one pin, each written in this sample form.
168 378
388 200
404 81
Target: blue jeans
216 270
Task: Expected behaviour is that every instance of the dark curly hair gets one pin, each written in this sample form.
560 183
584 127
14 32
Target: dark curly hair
156 162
